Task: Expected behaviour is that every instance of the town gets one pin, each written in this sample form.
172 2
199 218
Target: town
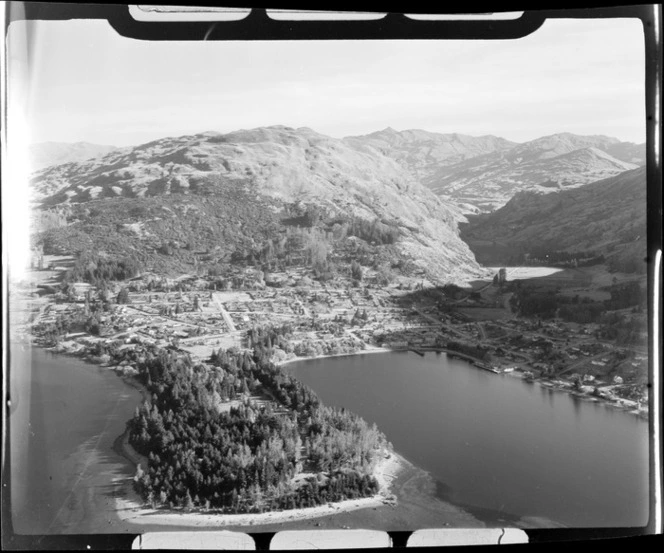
201 314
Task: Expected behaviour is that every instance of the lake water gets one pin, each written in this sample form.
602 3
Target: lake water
496 442
65 415
526 272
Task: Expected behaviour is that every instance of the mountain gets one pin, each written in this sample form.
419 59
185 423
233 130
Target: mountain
490 181
554 145
628 151
483 173
607 217
46 154
424 153
277 166
546 164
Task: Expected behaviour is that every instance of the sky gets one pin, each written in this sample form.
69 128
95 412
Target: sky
86 83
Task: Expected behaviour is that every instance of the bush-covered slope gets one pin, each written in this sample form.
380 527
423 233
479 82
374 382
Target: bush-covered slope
607 217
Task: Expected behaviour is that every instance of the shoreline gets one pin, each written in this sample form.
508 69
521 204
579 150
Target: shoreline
132 510
619 404
366 351
418 505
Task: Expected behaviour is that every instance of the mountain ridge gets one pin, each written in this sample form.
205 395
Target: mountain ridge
482 173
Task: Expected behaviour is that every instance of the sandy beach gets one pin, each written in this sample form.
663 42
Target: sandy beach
416 507
131 509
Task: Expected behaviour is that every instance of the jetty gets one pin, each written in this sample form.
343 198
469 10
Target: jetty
458 355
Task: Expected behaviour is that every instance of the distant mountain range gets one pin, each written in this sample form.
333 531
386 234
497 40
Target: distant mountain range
607 217
284 165
476 174
483 173
46 154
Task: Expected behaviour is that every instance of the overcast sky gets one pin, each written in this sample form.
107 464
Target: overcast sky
582 76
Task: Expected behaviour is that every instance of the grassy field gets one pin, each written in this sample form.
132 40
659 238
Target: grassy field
586 280
485 313
590 293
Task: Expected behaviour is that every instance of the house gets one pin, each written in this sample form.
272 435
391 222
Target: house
398 344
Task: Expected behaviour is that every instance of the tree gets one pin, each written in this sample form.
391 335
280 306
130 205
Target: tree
188 502
578 383
356 270
384 275
123 296
87 302
92 325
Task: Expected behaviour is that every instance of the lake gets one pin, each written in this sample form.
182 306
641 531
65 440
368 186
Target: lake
496 444
65 415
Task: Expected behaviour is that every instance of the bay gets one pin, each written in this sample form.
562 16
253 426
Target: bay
497 443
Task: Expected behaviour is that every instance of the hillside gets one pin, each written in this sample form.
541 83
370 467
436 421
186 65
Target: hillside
47 154
285 171
490 181
605 218
482 173
424 153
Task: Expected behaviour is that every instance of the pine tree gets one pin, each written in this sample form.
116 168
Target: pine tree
123 296
188 502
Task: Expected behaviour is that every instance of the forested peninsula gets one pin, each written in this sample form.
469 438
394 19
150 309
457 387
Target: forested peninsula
239 435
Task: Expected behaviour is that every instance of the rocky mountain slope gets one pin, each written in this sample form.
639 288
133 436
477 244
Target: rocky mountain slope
423 152
279 165
46 154
607 217
483 173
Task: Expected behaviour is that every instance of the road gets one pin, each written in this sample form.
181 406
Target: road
582 362
224 313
